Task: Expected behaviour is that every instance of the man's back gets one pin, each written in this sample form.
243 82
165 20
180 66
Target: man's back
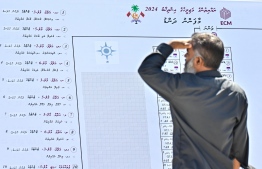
205 109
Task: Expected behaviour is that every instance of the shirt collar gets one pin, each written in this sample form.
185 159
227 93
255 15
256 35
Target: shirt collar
209 73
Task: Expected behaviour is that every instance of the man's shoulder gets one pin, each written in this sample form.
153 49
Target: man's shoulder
217 82
233 87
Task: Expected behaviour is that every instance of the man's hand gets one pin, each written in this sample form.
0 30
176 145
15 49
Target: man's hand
236 164
180 44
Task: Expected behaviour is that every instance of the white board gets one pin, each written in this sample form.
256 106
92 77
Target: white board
70 93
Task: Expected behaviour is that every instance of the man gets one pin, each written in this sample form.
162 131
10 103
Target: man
209 112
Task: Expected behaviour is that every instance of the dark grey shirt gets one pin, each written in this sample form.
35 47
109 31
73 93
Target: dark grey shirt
209 114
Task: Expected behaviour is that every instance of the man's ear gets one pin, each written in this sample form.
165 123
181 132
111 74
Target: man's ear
198 61
198 64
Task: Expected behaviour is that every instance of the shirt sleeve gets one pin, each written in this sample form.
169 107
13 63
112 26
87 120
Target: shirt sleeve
240 145
150 71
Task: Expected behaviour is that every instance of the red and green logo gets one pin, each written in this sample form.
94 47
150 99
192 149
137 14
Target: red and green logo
134 14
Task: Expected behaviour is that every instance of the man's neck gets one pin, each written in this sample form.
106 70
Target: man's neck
202 69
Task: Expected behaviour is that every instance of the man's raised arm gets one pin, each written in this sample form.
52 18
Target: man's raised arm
150 71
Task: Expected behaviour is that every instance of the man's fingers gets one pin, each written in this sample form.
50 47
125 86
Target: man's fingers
180 44
187 45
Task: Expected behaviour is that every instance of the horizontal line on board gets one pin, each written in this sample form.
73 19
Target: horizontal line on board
242 28
131 36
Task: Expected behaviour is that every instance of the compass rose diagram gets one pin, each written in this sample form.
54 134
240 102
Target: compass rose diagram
107 51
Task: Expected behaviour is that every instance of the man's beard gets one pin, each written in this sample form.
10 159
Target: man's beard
189 66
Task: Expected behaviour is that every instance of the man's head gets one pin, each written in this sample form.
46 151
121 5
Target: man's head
206 53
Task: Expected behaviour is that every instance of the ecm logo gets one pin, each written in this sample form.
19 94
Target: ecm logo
225 14
226 22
